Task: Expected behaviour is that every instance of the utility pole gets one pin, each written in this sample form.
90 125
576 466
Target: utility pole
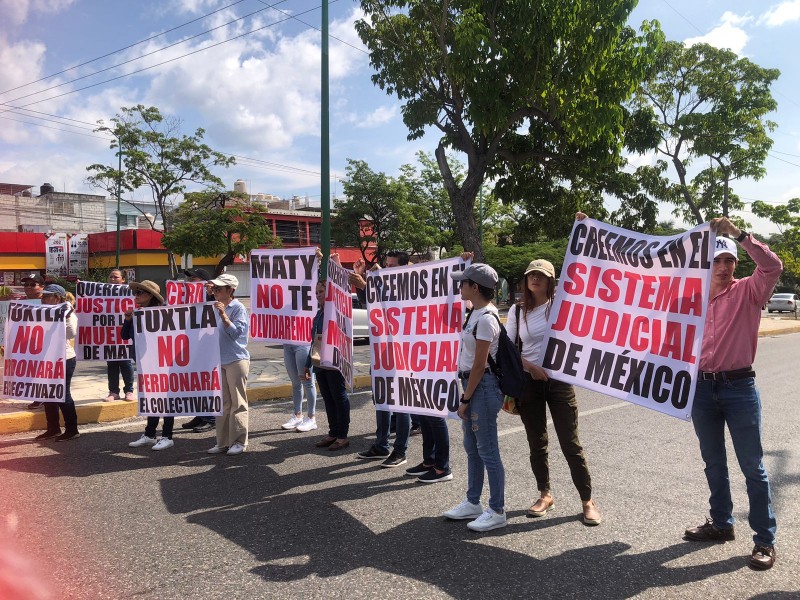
119 193
325 187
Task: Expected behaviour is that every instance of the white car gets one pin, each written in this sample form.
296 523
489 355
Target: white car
784 302
360 322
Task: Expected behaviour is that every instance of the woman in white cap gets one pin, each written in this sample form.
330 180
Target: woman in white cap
53 295
233 425
529 321
146 294
481 401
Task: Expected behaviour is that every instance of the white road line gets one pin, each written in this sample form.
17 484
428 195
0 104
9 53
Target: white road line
586 413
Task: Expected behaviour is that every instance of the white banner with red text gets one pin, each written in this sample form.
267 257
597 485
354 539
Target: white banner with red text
629 313
415 317
336 351
185 292
282 299
100 308
35 352
177 360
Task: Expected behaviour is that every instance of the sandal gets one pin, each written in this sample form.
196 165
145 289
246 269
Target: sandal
326 441
541 507
338 445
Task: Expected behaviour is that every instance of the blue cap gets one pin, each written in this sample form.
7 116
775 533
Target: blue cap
54 288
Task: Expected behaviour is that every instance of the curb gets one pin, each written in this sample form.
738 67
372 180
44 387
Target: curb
105 412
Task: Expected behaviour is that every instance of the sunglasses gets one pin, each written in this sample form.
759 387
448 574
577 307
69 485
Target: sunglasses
140 293
217 288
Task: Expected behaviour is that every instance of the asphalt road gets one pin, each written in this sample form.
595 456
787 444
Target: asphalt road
95 519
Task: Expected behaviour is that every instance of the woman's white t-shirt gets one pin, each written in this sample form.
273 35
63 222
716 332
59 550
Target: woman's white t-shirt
532 329
483 326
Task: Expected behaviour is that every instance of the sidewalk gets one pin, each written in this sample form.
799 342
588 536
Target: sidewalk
267 381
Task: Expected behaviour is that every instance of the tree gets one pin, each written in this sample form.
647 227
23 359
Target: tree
378 211
508 83
707 104
785 244
510 262
214 223
156 155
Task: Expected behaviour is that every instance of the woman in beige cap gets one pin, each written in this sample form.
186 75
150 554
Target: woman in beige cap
529 320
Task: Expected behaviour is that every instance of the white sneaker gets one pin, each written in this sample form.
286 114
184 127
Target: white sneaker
236 448
111 397
163 444
143 441
129 397
465 510
292 423
308 424
217 450
487 521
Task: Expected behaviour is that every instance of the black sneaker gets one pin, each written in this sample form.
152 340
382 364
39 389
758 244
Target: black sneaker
420 469
394 460
68 435
433 477
708 532
762 558
416 429
35 405
204 427
191 424
47 435
372 454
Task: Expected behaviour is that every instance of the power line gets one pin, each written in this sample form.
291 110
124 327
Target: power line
122 49
125 62
681 15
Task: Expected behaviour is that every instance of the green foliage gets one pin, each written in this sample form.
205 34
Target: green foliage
510 262
157 156
382 211
530 93
213 223
709 105
785 244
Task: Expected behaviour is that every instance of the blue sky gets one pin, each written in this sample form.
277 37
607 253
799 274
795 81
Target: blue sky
258 96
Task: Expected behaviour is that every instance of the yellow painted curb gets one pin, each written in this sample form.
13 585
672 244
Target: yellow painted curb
104 412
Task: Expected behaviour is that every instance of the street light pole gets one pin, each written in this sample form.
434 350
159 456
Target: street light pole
119 194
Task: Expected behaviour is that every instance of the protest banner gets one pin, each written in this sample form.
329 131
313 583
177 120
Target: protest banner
56 264
337 323
35 352
185 292
100 308
177 360
4 305
629 312
79 254
415 316
282 299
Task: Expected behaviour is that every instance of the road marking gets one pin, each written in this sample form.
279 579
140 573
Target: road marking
586 413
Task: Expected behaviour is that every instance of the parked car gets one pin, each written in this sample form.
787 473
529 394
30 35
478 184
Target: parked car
360 322
784 303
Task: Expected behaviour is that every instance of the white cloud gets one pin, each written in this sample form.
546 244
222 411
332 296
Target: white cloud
15 12
376 118
728 34
783 13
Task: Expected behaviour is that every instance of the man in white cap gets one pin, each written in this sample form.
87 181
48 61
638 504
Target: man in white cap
726 393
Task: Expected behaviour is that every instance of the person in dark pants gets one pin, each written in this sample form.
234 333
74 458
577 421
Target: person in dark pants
146 294
726 392
332 388
200 424
115 368
54 295
435 465
528 321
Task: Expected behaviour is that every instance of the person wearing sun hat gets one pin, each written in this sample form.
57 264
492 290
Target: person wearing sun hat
527 322
54 295
726 392
233 425
147 294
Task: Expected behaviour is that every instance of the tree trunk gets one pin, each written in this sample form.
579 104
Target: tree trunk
173 266
462 201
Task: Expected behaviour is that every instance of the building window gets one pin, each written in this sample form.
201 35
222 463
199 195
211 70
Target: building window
63 207
314 230
288 231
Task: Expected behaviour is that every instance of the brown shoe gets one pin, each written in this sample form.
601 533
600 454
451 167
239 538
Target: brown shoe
708 532
591 516
541 507
762 558
338 445
325 442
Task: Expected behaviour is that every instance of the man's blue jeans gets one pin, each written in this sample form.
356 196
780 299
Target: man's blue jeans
435 442
481 443
383 420
737 404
